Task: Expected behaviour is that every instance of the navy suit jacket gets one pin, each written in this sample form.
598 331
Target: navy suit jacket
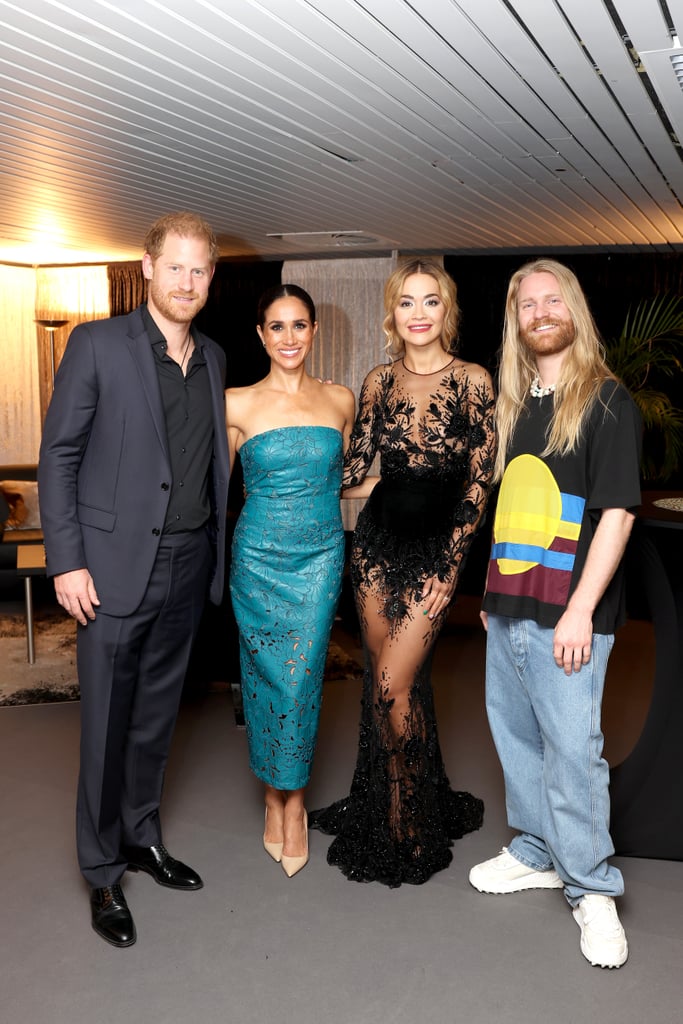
104 473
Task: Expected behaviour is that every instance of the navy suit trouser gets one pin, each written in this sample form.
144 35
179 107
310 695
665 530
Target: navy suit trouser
131 671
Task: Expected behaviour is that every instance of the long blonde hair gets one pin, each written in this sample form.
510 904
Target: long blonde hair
393 290
583 371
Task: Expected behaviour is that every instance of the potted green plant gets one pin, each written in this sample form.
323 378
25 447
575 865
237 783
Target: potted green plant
648 358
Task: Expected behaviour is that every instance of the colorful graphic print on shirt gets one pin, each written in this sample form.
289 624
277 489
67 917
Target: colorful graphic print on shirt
535 534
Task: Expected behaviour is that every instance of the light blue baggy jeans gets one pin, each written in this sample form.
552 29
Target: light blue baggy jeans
546 727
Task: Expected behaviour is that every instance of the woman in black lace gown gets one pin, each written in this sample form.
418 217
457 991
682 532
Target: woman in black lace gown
430 416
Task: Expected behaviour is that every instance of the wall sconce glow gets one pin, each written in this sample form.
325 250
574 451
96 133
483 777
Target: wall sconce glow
48 240
36 254
80 293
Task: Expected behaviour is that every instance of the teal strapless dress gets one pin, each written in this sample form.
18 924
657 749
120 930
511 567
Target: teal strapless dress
287 562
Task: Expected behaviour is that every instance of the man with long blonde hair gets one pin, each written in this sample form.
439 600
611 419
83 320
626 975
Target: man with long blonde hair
568 462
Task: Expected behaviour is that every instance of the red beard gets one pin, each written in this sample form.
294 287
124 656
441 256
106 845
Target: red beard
176 312
550 342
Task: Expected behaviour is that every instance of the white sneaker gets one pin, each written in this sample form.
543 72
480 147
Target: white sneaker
505 873
603 940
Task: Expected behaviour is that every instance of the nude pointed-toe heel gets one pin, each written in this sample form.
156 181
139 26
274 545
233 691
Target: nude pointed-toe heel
273 849
291 865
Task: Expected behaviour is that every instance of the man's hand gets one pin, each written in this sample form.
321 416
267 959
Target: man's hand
574 631
573 640
77 595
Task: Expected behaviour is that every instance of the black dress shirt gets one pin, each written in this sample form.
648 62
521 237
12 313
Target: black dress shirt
189 430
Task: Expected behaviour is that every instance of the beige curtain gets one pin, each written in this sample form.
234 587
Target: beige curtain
348 298
74 294
19 395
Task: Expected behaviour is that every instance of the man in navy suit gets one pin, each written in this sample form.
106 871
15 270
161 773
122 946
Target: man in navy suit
133 482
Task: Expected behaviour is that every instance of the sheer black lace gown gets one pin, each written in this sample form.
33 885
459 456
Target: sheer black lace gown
435 436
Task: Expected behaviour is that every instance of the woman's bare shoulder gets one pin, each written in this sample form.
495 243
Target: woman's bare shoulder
335 396
240 404
380 369
339 392
377 374
475 373
241 392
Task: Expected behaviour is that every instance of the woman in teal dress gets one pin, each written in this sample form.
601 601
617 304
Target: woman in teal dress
291 432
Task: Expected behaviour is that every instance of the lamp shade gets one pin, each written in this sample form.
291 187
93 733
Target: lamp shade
51 325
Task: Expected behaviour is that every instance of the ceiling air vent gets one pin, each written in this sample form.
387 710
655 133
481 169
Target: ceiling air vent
317 240
677 64
664 68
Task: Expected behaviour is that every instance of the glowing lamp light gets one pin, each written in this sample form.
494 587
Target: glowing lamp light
51 326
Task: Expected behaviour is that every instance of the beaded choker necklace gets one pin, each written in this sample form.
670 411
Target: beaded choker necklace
538 391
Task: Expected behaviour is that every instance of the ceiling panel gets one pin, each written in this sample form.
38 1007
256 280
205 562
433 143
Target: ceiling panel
438 125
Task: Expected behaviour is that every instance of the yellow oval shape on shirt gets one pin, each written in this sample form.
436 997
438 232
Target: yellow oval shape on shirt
529 510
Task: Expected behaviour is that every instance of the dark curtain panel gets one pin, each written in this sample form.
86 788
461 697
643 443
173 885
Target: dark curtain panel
229 316
126 287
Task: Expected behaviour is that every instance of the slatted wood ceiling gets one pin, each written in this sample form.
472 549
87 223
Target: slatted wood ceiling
445 125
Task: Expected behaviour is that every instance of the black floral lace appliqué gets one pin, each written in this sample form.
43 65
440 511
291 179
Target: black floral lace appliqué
436 442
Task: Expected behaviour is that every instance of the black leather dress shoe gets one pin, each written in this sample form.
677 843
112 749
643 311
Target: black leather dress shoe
111 918
164 869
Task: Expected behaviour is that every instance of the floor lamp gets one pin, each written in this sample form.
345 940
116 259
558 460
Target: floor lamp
51 326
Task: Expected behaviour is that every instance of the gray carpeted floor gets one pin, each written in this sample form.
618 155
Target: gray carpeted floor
254 947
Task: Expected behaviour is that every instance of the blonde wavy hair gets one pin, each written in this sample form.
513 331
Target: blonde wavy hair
583 372
394 289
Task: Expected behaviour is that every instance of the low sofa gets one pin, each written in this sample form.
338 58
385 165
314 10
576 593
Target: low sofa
19 513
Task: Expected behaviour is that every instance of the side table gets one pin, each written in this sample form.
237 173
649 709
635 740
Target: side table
30 562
